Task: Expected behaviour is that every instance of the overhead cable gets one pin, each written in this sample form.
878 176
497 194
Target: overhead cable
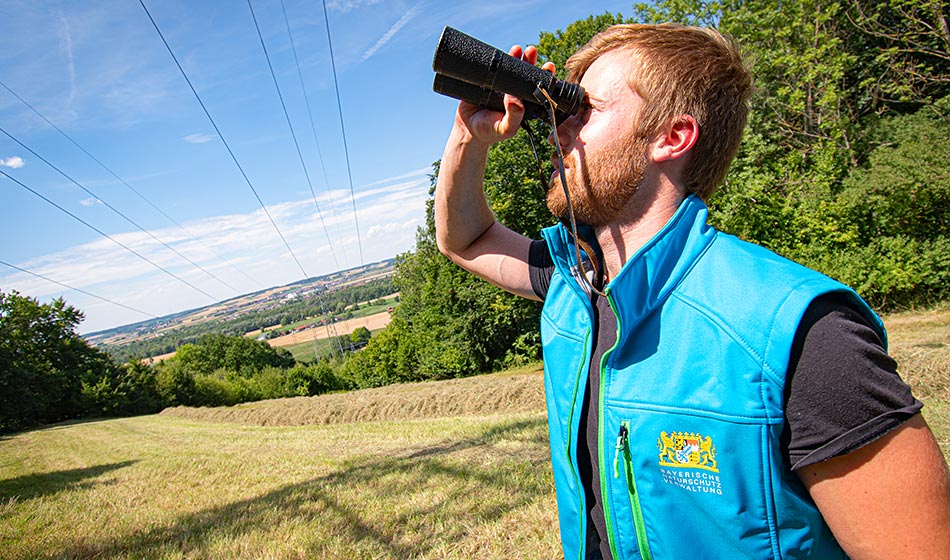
121 180
293 134
115 210
223 140
346 151
330 330
109 237
67 286
313 127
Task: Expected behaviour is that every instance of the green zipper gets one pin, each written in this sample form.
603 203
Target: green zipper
622 446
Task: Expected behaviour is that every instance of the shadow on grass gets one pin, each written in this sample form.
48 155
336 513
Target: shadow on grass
54 426
395 507
32 486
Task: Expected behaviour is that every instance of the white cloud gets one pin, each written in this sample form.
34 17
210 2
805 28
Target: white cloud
199 138
91 201
14 162
344 6
393 228
244 249
66 41
406 18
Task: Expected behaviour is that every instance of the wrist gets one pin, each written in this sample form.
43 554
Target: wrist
463 138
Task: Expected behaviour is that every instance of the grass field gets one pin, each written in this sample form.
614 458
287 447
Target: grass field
453 469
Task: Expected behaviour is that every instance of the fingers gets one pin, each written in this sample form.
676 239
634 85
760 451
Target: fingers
530 55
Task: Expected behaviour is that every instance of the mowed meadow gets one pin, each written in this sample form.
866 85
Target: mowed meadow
447 469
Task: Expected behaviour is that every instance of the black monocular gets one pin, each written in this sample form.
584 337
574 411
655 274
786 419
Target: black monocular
473 71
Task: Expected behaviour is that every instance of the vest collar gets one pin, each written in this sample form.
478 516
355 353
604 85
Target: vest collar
648 277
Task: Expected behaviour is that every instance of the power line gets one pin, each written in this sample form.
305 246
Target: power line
121 180
223 140
109 237
107 300
313 127
346 151
292 133
110 207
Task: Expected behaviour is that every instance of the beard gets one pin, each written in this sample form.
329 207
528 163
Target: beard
601 184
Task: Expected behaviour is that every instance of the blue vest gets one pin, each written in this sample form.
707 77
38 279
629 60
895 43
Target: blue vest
691 397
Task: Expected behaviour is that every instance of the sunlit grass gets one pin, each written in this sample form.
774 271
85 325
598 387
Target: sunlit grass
164 487
920 342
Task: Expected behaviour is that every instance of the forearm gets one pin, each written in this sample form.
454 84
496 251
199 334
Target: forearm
462 213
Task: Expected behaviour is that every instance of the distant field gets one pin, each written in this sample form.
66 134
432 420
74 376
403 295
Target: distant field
301 344
452 469
340 328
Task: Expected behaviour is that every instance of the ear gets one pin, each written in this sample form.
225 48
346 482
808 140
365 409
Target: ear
675 139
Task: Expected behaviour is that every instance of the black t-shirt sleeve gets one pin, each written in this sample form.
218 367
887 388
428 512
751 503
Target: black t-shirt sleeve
842 389
540 267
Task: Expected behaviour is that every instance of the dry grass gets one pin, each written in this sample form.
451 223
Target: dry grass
514 391
920 342
371 322
169 488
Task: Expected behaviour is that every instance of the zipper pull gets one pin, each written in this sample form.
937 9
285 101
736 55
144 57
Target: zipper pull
621 442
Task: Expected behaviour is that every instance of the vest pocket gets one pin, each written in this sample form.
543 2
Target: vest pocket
679 483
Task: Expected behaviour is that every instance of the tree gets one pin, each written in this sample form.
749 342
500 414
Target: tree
125 390
361 334
241 356
43 362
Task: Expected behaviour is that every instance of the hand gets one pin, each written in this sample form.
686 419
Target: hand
490 126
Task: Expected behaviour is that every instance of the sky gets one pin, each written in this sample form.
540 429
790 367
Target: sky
115 182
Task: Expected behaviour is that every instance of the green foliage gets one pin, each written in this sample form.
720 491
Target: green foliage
892 272
175 384
239 355
43 362
905 187
313 379
905 59
361 334
126 390
221 370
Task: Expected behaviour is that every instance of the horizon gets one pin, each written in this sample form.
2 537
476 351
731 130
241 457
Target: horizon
92 90
185 312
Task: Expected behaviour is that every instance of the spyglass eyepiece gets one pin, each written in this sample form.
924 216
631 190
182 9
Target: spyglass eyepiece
473 71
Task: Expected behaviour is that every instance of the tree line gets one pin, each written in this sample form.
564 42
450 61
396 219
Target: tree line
842 168
49 373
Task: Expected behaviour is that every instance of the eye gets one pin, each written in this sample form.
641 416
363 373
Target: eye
585 105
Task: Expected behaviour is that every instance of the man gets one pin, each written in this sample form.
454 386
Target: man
706 398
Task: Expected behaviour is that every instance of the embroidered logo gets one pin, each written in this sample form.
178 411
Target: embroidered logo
687 450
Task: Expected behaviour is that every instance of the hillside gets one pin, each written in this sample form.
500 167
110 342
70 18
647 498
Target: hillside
509 392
